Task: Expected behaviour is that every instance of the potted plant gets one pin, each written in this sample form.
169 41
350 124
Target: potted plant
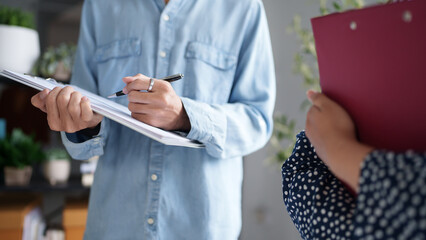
56 62
19 42
56 167
18 153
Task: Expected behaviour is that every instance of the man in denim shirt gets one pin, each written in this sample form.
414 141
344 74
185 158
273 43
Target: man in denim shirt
142 188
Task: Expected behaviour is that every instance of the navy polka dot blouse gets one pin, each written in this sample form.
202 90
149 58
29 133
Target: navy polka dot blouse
391 203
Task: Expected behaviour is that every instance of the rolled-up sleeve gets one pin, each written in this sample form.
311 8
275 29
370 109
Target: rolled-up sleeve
87 148
244 124
84 76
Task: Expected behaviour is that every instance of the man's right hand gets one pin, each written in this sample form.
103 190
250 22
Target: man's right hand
67 110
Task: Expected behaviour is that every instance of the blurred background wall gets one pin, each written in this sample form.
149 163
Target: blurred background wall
264 213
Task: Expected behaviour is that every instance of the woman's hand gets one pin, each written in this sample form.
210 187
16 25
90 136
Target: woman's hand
66 109
328 126
161 107
332 133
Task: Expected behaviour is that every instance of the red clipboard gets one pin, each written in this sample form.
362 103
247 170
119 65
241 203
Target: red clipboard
372 61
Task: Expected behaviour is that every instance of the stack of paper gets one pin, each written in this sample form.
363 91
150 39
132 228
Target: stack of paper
34 225
109 109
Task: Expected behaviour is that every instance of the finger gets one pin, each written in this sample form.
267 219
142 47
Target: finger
158 99
136 85
86 110
310 120
140 116
144 108
130 79
39 100
74 107
52 109
140 97
312 114
311 94
146 118
317 99
63 100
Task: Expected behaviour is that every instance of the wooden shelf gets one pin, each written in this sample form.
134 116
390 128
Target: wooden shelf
39 185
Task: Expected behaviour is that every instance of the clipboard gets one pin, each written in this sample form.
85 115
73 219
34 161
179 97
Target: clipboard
372 62
109 109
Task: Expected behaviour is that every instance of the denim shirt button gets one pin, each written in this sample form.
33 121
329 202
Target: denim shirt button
150 221
154 177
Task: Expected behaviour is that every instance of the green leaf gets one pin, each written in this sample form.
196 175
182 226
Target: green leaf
20 150
49 60
337 6
57 153
16 17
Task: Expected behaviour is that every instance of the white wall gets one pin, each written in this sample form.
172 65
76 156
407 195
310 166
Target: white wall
264 213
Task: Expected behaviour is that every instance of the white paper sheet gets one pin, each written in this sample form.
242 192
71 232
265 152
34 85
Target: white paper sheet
109 109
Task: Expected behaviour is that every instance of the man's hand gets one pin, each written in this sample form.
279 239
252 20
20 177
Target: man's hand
66 109
332 133
160 107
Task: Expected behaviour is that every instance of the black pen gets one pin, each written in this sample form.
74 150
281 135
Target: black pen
171 78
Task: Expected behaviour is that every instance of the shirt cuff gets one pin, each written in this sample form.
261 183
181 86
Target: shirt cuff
208 125
83 150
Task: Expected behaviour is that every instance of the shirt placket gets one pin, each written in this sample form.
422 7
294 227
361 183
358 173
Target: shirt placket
165 43
154 187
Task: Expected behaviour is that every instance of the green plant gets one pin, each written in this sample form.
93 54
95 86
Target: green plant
57 153
53 57
16 17
20 150
306 66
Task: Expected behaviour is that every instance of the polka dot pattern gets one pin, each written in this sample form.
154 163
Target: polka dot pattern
317 202
392 196
391 203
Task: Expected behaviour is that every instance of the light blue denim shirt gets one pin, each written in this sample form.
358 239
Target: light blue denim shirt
142 188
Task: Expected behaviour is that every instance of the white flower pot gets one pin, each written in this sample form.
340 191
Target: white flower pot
19 48
17 176
57 171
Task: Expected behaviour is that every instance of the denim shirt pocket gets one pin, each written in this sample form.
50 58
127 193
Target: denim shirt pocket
209 73
118 49
210 55
114 60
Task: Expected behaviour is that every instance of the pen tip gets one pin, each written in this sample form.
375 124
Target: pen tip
111 96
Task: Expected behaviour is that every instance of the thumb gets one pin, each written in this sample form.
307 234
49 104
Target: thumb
312 96
317 99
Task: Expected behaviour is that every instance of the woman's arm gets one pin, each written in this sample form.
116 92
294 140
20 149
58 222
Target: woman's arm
319 204
391 192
